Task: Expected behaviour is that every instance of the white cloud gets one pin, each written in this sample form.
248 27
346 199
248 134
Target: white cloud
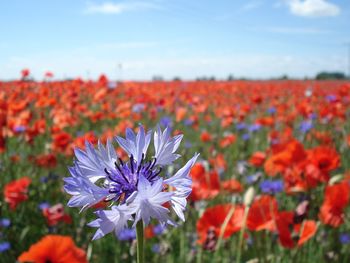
118 8
313 8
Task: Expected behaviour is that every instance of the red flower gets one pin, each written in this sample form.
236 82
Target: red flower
257 159
205 185
262 213
55 214
291 234
16 191
54 248
232 186
214 217
336 199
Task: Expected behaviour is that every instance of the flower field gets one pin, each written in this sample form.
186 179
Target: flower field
271 182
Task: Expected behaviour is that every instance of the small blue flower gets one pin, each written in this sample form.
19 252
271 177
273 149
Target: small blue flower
251 179
241 126
4 246
127 234
188 122
306 126
43 205
139 107
254 127
19 128
271 186
245 137
331 98
271 110
344 238
5 222
156 248
166 121
159 229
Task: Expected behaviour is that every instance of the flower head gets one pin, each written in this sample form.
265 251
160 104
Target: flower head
135 187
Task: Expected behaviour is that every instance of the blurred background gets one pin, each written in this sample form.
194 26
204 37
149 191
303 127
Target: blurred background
167 39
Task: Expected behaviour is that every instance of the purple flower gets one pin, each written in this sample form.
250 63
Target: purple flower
245 137
254 127
271 186
127 234
166 121
5 222
156 248
43 205
20 128
4 246
241 126
188 122
331 98
135 186
251 179
271 110
344 238
139 107
159 229
305 126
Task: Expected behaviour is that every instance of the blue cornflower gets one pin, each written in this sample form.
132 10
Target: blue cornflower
344 238
245 137
305 126
254 127
135 187
5 222
166 121
271 110
138 107
127 234
271 186
331 98
43 205
241 126
188 122
159 229
252 179
4 246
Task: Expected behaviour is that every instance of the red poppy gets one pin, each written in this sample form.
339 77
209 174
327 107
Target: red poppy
232 186
257 159
16 192
291 234
55 214
284 156
227 140
205 185
206 136
262 213
54 248
214 217
336 199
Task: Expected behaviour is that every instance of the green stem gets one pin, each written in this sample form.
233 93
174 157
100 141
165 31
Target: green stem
140 242
241 235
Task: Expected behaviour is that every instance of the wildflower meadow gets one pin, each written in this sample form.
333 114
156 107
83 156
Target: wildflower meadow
174 171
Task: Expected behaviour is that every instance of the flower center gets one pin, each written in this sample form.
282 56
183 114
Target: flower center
123 180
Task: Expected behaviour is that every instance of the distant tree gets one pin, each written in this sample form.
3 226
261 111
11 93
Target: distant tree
230 77
330 75
157 78
176 78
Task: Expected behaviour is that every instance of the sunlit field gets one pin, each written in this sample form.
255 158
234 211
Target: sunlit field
271 183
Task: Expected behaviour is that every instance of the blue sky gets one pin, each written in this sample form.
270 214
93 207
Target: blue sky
135 39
